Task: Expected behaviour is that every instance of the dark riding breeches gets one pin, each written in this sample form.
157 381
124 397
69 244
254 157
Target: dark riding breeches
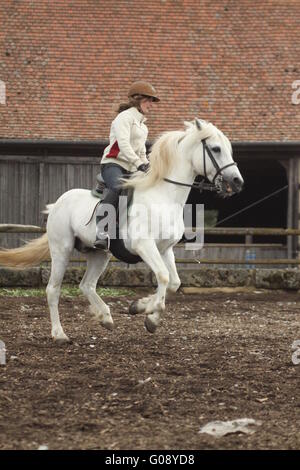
111 173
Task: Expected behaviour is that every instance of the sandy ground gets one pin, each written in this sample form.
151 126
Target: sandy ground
216 356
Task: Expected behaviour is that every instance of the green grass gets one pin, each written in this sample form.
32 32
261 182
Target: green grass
65 292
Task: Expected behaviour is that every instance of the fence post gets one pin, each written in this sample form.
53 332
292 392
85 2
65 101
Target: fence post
249 239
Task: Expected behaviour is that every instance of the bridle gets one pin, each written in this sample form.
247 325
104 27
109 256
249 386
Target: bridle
202 185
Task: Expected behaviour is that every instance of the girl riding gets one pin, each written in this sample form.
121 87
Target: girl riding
126 152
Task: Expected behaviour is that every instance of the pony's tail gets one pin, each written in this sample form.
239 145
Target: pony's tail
31 254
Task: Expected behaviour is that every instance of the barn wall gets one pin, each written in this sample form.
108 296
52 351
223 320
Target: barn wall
27 184
35 174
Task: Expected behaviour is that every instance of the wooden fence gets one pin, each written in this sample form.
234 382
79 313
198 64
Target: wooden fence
190 256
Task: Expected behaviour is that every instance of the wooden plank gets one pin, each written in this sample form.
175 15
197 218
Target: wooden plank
19 228
62 160
236 245
224 262
41 191
266 261
242 231
250 231
224 290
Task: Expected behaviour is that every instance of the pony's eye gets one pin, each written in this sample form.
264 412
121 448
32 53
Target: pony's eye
216 149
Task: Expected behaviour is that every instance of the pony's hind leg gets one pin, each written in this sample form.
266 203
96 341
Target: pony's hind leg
58 268
96 264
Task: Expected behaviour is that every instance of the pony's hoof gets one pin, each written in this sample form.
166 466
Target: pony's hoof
108 325
133 308
150 325
61 341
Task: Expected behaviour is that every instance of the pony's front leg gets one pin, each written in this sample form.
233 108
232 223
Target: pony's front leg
140 305
147 304
169 260
148 251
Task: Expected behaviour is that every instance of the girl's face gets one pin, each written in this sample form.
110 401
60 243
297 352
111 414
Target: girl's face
146 105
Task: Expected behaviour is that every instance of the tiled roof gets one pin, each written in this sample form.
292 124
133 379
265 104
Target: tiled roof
66 64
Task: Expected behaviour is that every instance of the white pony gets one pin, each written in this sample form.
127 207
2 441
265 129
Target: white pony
179 156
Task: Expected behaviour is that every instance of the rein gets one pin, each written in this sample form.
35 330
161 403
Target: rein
201 185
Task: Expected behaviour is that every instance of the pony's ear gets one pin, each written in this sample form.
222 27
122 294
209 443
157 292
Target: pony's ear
198 124
188 124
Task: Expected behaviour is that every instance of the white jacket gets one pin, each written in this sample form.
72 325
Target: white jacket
128 135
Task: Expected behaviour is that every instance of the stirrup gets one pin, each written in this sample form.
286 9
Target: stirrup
102 243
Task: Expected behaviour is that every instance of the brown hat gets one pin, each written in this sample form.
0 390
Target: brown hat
143 88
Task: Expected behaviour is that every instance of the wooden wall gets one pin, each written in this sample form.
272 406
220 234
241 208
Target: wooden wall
36 174
29 182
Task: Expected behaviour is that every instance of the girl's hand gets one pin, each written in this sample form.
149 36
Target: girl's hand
143 167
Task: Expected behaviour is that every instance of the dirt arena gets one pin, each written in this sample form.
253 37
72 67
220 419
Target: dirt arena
216 356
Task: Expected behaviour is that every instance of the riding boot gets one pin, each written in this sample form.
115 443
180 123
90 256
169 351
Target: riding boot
102 238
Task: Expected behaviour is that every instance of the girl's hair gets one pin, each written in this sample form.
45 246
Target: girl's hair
133 101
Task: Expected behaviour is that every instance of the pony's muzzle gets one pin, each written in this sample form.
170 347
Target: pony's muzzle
230 186
237 184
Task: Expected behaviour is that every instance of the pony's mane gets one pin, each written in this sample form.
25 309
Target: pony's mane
164 153
163 156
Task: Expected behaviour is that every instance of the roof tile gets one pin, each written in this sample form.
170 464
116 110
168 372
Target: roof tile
66 64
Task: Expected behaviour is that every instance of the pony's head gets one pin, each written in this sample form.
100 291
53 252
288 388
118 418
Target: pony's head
206 149
212 158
